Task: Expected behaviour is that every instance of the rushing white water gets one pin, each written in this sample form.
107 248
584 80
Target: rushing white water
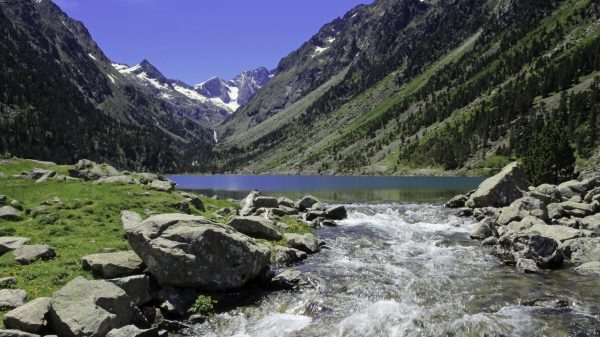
410 270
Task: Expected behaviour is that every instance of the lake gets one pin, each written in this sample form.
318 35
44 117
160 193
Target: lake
332 188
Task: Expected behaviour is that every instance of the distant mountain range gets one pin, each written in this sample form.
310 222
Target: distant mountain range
394 87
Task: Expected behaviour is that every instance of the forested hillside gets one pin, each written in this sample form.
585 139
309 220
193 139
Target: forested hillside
456 86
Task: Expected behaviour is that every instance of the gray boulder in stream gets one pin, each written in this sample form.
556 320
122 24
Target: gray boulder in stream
500 190
192 252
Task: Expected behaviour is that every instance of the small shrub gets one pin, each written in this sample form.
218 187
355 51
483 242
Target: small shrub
204 305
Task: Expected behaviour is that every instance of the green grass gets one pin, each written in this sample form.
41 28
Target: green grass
87 223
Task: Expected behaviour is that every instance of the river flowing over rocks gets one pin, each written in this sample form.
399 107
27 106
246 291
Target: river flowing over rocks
412 270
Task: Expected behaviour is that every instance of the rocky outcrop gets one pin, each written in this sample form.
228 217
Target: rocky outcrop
500 190
85 308
544 226
191 251
256 227
113 265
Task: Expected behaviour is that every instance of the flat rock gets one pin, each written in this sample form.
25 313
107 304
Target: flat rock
500 190
133 331
162 185
589 269
16 333
266 202
307 243
8 243
85 308
559 233
191 251
137 287
114 265
30 253
30 317
10 213
118 180
12 298
256 227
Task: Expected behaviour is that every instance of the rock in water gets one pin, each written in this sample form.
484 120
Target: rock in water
85 308
546 252
307 243
500 190
589 269
287 256
191 251
30 317
336 213
256 227
133 331
113 265
306 203
457 202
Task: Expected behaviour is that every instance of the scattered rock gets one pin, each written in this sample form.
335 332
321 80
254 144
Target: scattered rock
307 243
191 251
457 202
2 199
256 227
312 215
286 202
521 208
545 251
248 206
31 253
17 333
482 230
7 282
113 265
501 189
37 210
45 177
289 279
289 210
465 212
553 303
17 205
194 200
12 298
582 250
89 170
31 317
266 202
336 213
162 185
288 256
559 233
118 180
175 302
137 287
9 213
8 243
306 203
91 308
133 331
329 223
527 266
572 188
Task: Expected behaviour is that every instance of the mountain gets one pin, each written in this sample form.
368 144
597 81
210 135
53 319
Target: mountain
209 103
404 85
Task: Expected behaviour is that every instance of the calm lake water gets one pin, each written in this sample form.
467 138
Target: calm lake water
332 188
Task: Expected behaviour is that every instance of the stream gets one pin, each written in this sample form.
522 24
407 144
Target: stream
410 269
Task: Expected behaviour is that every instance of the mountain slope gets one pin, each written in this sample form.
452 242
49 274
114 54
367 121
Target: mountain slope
444 85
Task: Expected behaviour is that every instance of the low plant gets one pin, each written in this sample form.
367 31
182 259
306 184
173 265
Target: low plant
204 305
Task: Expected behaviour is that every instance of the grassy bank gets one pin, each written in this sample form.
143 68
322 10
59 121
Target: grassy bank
85 221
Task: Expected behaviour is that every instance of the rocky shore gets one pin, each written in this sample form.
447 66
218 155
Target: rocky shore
175 263
537 229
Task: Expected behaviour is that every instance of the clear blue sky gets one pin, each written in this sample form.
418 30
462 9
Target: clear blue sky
193 40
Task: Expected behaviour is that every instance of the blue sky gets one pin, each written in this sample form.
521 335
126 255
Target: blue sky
193 40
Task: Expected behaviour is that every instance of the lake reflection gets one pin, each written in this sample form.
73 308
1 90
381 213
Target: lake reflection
332 188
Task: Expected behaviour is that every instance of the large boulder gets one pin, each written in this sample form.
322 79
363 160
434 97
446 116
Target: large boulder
500 190
30 253
581 250
162 185
521 208
8 243
31 317
266 202
307 243
89 170
130 219
113 265
248 205
85 308
191 251
12 298
572 188
10 213
256 227
482 230
589 269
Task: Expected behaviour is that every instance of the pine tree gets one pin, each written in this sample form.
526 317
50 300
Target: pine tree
550 158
